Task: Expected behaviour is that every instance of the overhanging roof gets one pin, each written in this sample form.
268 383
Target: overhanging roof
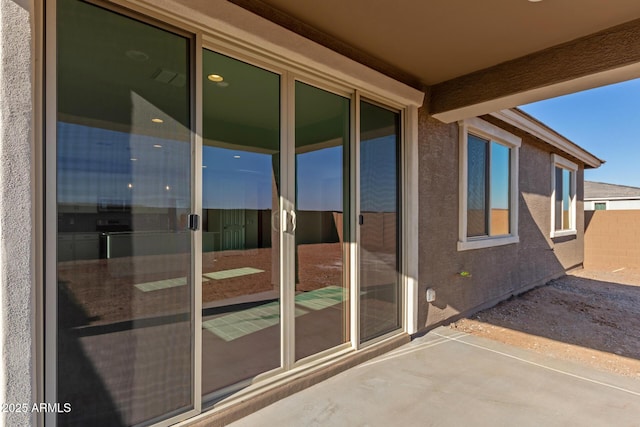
475 57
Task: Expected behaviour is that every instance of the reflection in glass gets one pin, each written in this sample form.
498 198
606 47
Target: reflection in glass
379 229
563 199
558 208
240 237
124 332
566 199
477 168
321 141
499 189
488 190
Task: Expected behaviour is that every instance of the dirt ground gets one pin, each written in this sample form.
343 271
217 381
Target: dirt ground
589 317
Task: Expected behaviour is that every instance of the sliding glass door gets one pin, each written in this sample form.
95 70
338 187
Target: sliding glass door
240 227
243 225
321 235
380 292
124 289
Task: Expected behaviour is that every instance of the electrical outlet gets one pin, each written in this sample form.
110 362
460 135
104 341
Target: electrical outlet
431 295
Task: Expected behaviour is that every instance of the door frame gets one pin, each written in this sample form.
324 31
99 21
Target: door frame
50 108
290 70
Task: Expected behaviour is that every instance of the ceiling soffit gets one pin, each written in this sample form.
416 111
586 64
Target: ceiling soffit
458 46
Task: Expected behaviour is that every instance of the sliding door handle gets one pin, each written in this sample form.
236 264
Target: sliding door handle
289 221
285 221
193 222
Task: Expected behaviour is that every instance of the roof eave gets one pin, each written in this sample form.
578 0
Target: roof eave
522 120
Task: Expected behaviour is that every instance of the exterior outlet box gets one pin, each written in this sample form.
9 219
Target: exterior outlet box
431 295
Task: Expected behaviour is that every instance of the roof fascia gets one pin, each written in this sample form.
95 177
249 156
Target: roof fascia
537 129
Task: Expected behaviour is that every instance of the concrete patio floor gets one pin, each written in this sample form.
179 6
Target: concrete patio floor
449 378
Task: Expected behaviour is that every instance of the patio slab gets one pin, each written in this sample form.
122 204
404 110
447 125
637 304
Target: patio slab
449 378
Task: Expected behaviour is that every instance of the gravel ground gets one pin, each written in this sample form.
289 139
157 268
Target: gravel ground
589 317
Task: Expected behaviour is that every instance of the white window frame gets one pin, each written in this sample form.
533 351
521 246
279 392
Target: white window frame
561 162
492 133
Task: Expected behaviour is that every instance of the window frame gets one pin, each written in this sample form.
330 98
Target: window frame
562 163
491 133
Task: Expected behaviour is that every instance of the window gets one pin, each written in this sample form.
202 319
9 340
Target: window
601 206
488 185
563 197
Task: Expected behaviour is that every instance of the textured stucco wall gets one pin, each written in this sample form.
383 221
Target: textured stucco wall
497 272
16 224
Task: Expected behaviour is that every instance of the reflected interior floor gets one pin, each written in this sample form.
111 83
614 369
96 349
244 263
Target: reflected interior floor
234 272
125 377
161 284
182 281
112 316
233 326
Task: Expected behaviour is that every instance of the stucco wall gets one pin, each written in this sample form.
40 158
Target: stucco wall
16 210
498 272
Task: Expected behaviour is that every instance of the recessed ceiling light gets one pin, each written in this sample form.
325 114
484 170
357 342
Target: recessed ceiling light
167 188
236 157
133 159
215 77
223 84
157 146
137 55
130 185
157 120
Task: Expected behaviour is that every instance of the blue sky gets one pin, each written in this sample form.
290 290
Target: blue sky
602 121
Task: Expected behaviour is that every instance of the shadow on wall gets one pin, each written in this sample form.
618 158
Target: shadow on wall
495 272
499 272
612 239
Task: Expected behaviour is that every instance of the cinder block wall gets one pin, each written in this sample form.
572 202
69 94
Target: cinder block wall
498 272
612 239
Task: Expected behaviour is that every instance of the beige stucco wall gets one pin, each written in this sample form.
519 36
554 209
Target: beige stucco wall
16 211
497 272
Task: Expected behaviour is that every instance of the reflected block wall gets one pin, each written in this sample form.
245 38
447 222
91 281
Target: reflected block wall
612 239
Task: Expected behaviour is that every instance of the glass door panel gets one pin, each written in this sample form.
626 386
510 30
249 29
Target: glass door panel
241 234
322 201
124 291
380 296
